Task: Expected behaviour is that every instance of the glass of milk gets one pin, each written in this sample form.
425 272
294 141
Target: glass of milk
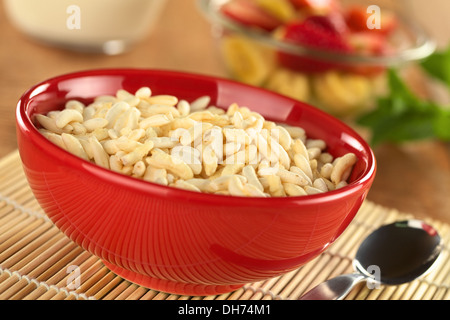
102 26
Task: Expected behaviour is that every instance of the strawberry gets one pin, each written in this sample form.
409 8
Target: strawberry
317 32
248 13
370 44
357 19
313 4
333 22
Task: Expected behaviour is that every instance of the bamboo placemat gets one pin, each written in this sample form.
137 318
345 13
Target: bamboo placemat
35 258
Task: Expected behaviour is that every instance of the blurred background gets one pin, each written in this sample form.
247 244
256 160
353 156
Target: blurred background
432 15
174 34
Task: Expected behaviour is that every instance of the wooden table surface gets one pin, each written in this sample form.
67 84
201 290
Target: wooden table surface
412 178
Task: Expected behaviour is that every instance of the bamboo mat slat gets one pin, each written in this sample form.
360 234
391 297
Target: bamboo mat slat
35 258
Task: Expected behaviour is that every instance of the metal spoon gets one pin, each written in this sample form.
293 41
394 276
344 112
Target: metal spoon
393 254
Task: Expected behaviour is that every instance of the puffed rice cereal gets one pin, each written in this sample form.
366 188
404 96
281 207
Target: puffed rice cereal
196 146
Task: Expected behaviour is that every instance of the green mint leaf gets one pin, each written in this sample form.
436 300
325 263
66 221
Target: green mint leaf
372 118
405 127
401 96
437 66
441 124
401 116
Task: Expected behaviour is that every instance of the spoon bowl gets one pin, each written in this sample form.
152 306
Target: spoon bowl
394 254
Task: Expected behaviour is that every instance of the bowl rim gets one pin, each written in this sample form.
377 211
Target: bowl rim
25 125
424 44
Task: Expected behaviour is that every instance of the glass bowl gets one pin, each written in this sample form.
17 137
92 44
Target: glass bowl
341 83
109 27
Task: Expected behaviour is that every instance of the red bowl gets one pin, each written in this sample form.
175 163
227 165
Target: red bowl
175 240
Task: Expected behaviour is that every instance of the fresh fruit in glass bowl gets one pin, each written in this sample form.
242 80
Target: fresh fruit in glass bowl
333 54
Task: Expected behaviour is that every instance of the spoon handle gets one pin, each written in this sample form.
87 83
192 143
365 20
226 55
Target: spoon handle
334 289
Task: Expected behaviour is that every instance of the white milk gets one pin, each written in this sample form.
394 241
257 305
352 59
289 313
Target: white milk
109 26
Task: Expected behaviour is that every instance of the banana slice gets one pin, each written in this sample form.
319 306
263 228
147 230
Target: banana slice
247 61
290 83
342 94
281 9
